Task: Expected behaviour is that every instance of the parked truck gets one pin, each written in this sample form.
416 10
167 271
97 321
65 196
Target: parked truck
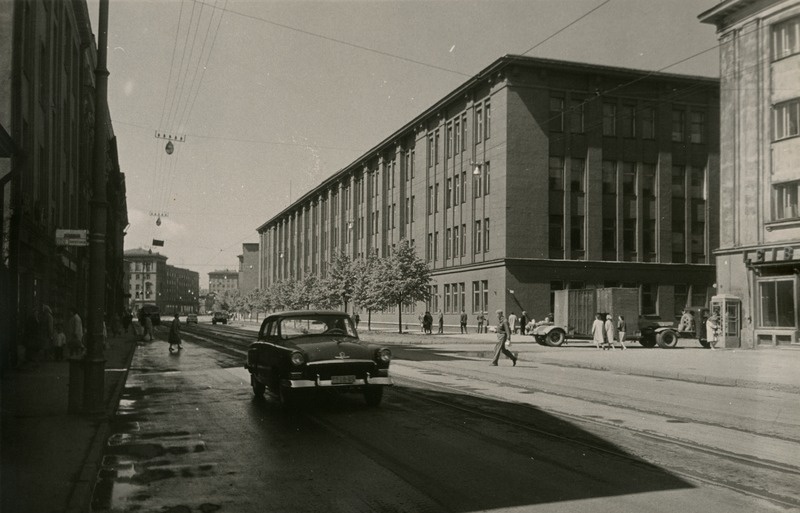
667 334
575 310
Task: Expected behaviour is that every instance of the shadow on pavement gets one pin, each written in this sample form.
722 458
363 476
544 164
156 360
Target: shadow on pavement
463 453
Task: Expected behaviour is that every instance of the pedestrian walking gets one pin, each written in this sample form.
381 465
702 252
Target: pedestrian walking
127 317
480 320
175 334
47 332
59 342
611 331
621 330
598 331
503 340
441 323
712 331
427 322
148 328
75 334
463 321
512 322
356 319
421 319
523 322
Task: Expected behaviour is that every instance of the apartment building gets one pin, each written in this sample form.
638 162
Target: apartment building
535 175
758 259
150 280
220 282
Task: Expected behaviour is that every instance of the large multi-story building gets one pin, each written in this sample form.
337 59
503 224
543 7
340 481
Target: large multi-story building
248 268
48 58
150 280
222 282
758 260
535 175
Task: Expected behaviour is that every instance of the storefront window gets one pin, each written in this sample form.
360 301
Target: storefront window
778 303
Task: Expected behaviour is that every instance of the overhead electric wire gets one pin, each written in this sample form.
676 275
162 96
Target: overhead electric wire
190 103
562 29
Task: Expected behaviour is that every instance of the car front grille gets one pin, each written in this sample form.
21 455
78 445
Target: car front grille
326 369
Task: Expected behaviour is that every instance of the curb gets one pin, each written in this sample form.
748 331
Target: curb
80 500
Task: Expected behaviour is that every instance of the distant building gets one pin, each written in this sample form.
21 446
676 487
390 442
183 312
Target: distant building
758 260
248 268
535 175
152 281
222 282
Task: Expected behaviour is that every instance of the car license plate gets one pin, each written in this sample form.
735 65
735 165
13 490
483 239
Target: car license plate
343 380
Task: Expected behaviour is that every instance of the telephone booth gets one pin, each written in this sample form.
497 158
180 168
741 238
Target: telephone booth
729 310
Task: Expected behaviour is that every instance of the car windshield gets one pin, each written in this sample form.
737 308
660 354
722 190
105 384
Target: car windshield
316 325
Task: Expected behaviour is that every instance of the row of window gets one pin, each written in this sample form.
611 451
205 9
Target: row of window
455 242
455 192
630 203
786 38
625 120
786 119
456 130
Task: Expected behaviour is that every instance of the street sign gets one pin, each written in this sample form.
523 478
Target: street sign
72 237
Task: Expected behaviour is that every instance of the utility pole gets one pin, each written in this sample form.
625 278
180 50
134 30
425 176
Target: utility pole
94 363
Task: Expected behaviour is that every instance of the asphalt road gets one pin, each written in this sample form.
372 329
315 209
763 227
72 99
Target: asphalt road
453 435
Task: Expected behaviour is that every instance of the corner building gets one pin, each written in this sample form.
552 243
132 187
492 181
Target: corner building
758 260
535 175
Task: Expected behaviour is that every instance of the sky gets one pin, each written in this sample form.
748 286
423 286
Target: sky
270 98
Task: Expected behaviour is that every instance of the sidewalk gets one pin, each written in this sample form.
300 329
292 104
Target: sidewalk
766 368
49 457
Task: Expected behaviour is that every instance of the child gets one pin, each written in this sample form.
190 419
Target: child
60 341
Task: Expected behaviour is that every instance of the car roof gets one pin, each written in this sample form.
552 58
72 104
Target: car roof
307 313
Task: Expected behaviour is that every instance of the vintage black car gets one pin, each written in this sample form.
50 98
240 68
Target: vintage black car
300 351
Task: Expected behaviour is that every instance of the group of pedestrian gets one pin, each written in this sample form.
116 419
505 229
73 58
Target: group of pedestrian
605 332
45 337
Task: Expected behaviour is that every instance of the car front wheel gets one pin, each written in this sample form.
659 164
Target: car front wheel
555 338
373 396
287 398
258 387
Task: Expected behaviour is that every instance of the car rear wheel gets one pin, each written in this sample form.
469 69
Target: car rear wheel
373 396
667 339
258 387
556 337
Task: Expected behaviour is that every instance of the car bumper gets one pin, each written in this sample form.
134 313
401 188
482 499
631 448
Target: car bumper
369 381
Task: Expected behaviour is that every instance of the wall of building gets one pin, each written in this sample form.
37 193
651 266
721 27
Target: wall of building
753 237
516 155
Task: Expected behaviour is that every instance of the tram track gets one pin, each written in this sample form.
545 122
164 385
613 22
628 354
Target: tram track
655 444
695 462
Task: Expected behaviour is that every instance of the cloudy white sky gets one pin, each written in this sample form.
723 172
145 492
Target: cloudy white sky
273 97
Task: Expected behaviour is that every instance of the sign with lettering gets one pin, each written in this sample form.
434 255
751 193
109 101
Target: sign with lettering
72 237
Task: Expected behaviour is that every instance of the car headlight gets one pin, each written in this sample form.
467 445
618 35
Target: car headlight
298 359
384 355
